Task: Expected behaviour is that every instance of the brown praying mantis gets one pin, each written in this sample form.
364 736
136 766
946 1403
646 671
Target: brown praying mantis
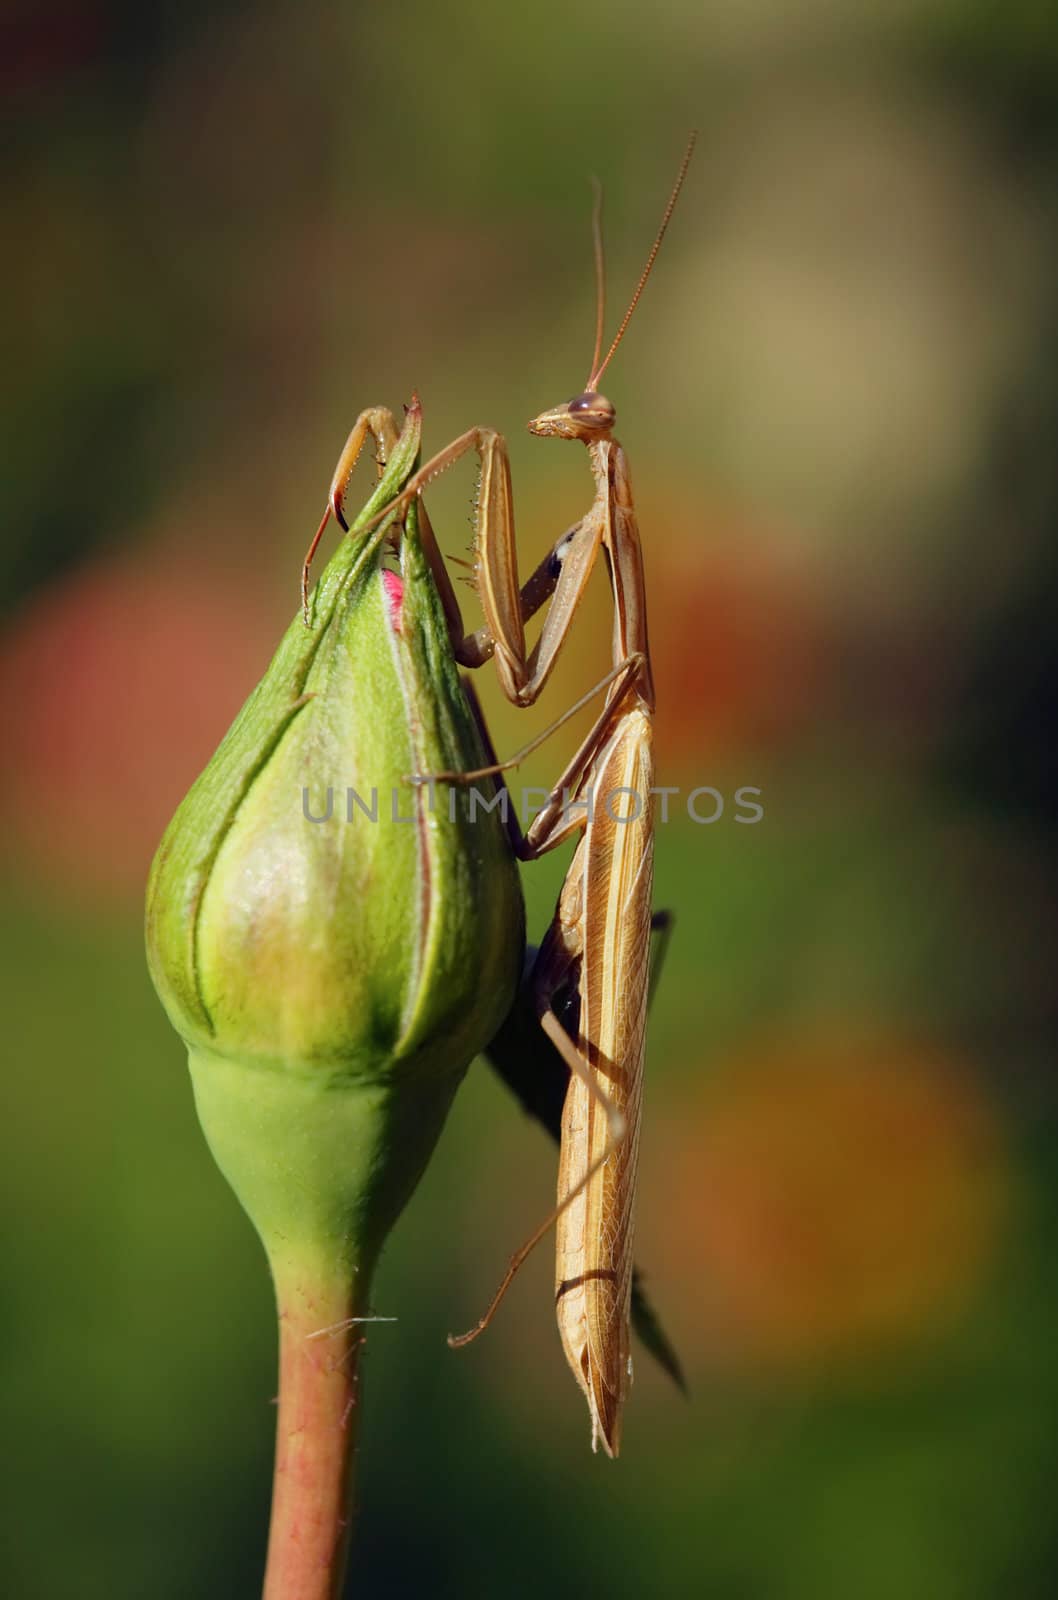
590 980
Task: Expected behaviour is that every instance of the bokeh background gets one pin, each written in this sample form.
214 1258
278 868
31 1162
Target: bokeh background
228 229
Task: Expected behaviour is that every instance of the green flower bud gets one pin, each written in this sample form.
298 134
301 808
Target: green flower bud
334 977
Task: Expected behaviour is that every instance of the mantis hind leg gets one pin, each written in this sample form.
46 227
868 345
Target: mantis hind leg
576 1066
538 1075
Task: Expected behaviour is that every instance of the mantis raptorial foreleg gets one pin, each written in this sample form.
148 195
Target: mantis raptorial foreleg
377 423
563 573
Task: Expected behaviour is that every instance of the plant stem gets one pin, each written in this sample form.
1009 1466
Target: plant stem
316 1434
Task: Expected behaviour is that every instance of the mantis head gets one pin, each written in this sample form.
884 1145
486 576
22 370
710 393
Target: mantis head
588 416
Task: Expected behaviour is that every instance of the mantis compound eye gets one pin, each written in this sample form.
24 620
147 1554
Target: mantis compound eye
593 408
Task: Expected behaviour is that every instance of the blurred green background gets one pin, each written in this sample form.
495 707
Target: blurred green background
230 228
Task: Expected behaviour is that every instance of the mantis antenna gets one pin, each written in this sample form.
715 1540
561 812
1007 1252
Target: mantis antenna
598 369
600 273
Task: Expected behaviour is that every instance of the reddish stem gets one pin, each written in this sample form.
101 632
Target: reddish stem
312 1492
